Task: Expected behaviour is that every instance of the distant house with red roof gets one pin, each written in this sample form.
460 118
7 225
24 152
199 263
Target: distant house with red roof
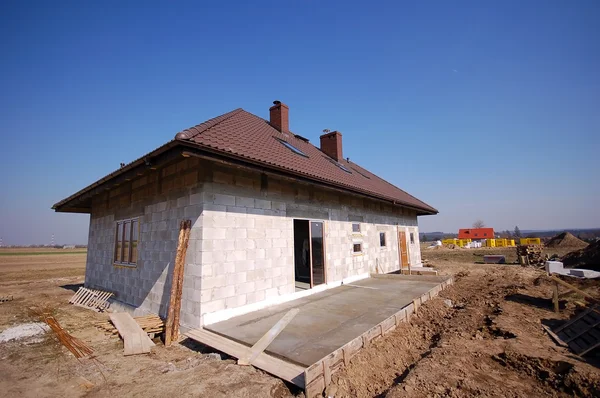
476 233
271 214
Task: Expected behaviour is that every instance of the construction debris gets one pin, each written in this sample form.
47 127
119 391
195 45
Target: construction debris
582 333
91 298
151 324
23 331
5 298
77 347
531 255
135 340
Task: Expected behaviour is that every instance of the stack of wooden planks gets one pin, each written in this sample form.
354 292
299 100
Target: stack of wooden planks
531 255
135 340
151 324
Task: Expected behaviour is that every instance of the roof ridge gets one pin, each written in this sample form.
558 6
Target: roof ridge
198 129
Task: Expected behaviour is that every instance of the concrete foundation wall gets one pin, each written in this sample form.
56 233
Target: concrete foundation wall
241 245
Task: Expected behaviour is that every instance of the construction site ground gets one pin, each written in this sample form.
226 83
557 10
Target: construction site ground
487 340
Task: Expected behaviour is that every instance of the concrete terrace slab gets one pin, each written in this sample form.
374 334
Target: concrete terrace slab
329 319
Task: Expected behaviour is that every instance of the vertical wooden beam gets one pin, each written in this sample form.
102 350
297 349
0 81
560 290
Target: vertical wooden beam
555 297
172 323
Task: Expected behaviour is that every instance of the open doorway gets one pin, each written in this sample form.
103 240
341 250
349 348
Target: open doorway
309 254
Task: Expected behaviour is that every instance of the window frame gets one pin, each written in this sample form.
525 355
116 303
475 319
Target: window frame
360 245
292 147
384 240
412 238
118 258
359 229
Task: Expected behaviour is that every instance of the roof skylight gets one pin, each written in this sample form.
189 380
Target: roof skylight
341 166
292 148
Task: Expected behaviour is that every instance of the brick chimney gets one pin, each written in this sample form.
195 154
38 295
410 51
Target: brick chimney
279 114
331 145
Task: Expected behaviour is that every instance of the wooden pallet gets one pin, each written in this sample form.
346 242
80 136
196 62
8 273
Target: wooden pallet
582 333
91 298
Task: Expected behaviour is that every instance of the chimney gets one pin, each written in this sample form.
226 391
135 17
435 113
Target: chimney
331 145
280 118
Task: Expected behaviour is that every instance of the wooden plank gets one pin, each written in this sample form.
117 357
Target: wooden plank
315 388
554 336
172 323
136 341
278 367
268 337
573 320
568 285
421 278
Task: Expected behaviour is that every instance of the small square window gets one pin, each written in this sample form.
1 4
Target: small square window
357 248
412 238
382 239
356 227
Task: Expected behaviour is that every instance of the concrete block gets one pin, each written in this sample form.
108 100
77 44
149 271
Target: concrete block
244 202
240 233
196 199
235 301
223 292
213 306
263 284
273 233
262 204
213 282
226 200
245 288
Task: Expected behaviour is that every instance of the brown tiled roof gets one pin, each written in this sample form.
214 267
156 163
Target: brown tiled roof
243 135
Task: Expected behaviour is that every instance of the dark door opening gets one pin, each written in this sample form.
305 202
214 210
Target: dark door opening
309 254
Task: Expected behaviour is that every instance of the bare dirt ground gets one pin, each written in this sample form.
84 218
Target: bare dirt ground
490 343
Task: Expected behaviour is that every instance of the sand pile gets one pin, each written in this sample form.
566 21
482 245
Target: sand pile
588 258
566 239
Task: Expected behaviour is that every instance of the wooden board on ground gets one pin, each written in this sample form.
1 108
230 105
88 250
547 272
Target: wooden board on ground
268 338
277 367
150 324
135 340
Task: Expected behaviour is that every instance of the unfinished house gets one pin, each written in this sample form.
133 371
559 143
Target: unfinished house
274 218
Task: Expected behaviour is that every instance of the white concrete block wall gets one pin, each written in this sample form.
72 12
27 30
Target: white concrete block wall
241 245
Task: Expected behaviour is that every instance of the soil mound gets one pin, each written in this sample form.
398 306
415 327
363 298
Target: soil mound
588 258
566 239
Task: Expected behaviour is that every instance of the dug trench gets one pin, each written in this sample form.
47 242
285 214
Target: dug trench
472 341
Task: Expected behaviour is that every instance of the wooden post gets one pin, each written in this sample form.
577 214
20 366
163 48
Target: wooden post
172 323
555 298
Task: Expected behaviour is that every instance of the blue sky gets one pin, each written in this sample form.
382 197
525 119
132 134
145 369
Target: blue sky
482 109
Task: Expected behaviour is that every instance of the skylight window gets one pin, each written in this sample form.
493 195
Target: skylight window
292 148
341 166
